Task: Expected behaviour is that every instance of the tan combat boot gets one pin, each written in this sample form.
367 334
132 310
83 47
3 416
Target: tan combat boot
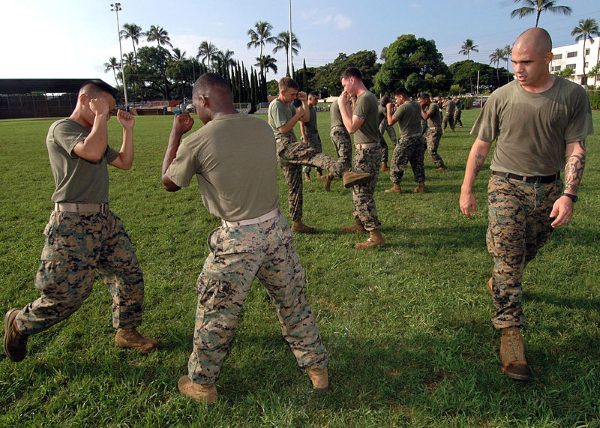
15 343
299 227
196 391
384 167
307 176
351 178
394 189
375 240
319 378
327 179
512 354
131 339
420 188
357 227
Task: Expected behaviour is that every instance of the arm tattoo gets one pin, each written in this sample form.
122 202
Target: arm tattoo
479 159
574 171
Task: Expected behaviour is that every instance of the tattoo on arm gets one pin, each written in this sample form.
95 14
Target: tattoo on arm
479 159
574 171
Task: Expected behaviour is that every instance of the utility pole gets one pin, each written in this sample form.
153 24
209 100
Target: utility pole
116 7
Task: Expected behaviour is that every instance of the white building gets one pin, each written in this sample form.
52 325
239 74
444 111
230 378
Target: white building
572 56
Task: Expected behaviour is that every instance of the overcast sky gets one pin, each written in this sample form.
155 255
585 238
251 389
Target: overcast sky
74 38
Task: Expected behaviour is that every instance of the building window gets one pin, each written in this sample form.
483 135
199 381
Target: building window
556 68
558 56
571 54
586 65
571 66
587 51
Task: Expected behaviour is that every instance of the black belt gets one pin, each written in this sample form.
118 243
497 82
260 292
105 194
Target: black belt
531 179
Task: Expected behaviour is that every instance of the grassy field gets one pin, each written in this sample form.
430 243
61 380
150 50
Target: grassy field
408 326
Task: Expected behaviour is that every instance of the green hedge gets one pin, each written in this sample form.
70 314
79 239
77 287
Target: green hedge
594 99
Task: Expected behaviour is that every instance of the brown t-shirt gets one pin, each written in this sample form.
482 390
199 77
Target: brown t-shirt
409 118
233 158
532 130
366 109
76 179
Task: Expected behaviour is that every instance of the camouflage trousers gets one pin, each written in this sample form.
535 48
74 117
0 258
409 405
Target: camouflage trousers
343 146
519 225
457 118
383 128
363 195
449 120
237 255
409 149
432 138
77 248
314 141
292 155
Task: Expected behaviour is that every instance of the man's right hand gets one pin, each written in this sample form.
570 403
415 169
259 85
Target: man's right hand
182 123
99 106
467 202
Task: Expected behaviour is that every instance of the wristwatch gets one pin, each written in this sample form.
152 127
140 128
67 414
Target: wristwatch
571 197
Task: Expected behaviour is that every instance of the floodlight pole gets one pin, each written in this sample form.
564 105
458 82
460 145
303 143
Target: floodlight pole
290 53
116 7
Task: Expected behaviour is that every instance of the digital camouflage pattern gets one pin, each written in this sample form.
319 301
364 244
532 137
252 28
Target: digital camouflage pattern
237 255
291 156
314 141
343 146
519 225
410 149
433 137
363 195
383 128
78 247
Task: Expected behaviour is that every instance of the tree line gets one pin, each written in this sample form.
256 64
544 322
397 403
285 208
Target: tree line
166 72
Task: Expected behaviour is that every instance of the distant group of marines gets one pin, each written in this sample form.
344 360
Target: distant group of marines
539 123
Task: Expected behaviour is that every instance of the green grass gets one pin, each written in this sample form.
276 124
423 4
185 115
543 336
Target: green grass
408 326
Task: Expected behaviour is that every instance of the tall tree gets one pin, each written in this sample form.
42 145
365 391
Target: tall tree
536 7
259 37
495 58
225 57
207 51
282 41
159 35
586 30
467 47
507 53
113 65
133 32
266 63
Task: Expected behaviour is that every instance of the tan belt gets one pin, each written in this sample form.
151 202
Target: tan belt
366 145
268 216
81 208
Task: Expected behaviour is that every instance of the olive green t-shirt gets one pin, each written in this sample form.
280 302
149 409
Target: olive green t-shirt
278 115
435 120
76 179
531 129
335 115
310 127
381 114
366 109
409 118
233 158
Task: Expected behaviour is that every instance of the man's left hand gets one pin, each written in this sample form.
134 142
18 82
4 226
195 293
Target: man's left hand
562 211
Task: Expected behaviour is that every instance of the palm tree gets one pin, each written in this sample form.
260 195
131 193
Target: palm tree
265 63
260 37
113 65
587 29
159 35
178 56
495 58
207 51
133 32
467 47
538 6
282 41
225 58
129 59
507 52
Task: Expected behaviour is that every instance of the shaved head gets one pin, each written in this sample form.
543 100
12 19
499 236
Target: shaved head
536 39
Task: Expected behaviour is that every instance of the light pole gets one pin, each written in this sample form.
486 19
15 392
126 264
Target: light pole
116 7
290 53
